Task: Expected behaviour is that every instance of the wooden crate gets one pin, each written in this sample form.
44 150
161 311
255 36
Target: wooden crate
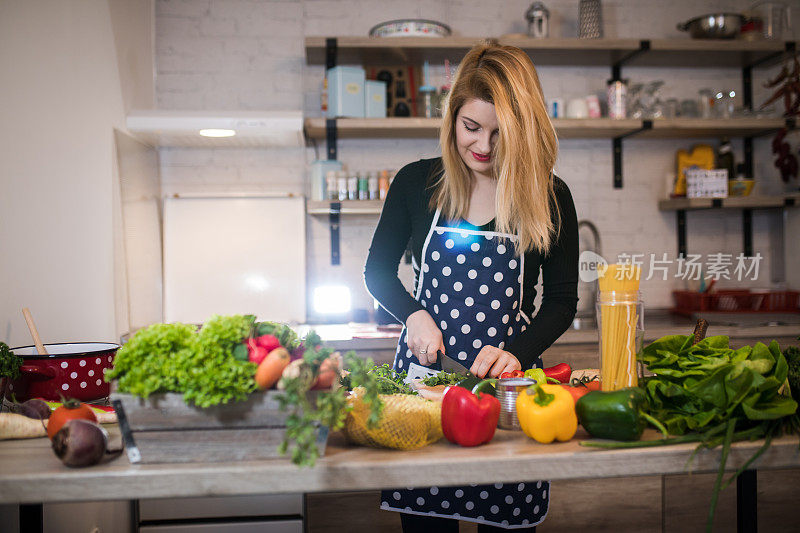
164 429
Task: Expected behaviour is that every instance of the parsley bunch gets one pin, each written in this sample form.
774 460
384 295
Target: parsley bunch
308 410
9 363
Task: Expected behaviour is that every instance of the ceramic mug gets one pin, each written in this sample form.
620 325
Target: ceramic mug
577 108
593 106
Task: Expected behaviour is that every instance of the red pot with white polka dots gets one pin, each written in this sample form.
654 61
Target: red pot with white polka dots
70 370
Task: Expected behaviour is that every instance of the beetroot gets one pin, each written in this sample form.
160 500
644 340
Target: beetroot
80 443
33 408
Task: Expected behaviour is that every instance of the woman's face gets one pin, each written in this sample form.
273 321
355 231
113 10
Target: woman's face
476 135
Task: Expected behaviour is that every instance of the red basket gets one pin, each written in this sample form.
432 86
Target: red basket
736 301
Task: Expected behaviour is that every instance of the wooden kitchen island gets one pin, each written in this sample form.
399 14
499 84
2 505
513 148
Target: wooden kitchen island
30 473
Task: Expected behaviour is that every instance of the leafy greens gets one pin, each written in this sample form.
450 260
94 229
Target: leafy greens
178 358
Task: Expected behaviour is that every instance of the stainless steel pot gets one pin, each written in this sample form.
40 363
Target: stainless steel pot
714 26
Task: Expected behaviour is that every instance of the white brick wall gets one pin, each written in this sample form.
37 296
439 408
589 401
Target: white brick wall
249 54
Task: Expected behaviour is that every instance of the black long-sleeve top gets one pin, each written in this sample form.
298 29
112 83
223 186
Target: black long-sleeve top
406 215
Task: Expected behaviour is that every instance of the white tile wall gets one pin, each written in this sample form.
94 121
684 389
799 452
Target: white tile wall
249 54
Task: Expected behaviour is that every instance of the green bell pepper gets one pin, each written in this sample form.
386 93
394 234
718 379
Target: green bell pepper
616 415
476 384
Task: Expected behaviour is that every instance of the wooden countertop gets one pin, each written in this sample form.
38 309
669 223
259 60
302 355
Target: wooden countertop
30 472
369 337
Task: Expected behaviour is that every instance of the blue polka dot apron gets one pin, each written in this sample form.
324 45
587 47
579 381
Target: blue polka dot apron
470 282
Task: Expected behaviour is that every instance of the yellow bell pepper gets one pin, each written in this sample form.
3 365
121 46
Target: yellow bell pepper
546 413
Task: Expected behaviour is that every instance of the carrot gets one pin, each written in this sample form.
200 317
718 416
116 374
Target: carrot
270 369
14 426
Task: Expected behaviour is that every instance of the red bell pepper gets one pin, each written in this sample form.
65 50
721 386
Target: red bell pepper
469 419
561 372
512 374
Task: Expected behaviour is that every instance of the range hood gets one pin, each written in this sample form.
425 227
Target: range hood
176 128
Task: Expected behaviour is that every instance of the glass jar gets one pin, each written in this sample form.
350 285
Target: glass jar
620 327
706 101
427 102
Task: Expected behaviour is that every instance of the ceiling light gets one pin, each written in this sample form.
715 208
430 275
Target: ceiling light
214 132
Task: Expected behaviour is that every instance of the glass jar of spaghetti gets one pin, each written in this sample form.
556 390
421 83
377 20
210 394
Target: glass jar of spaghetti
620 326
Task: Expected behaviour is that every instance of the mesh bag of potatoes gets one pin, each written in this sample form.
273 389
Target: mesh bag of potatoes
407 422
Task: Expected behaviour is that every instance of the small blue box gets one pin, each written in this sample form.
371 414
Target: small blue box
346 92
375 99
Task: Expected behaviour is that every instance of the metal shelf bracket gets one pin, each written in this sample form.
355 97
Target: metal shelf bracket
335 223
616 68
617 146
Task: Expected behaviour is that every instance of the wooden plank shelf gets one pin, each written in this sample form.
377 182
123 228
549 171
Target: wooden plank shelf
712 53
349 207
734 202
384 128
676 128
566 128
555 51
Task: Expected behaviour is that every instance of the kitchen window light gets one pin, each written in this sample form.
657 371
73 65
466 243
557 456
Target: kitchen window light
332 300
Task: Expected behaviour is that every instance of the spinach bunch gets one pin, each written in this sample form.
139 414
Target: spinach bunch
714 395
703 386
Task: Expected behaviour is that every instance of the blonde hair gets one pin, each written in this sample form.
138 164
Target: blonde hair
525 152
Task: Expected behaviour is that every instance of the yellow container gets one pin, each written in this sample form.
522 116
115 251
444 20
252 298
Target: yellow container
740 187
701 157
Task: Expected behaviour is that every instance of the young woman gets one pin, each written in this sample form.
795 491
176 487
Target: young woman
483 220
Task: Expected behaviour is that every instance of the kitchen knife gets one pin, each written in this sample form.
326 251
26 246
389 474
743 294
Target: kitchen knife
451 365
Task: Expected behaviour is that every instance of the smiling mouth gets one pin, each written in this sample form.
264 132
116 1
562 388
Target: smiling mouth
481 157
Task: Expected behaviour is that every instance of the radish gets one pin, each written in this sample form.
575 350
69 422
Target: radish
256 353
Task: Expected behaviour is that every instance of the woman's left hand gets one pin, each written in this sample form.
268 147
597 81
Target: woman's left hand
492 361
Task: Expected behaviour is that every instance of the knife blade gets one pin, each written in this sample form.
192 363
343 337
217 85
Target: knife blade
451 365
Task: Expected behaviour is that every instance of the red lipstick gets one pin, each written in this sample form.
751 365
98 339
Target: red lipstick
480 157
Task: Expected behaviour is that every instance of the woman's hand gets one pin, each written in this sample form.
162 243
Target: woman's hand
494 361
424 337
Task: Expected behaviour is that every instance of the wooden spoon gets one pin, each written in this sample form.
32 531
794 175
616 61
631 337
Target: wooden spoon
34 332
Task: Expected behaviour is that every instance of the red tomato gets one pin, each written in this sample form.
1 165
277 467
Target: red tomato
71 410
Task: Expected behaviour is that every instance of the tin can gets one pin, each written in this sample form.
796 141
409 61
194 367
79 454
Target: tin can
341 185
363 186
331 186
383 184
507 391
373 186
352 187
617 93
